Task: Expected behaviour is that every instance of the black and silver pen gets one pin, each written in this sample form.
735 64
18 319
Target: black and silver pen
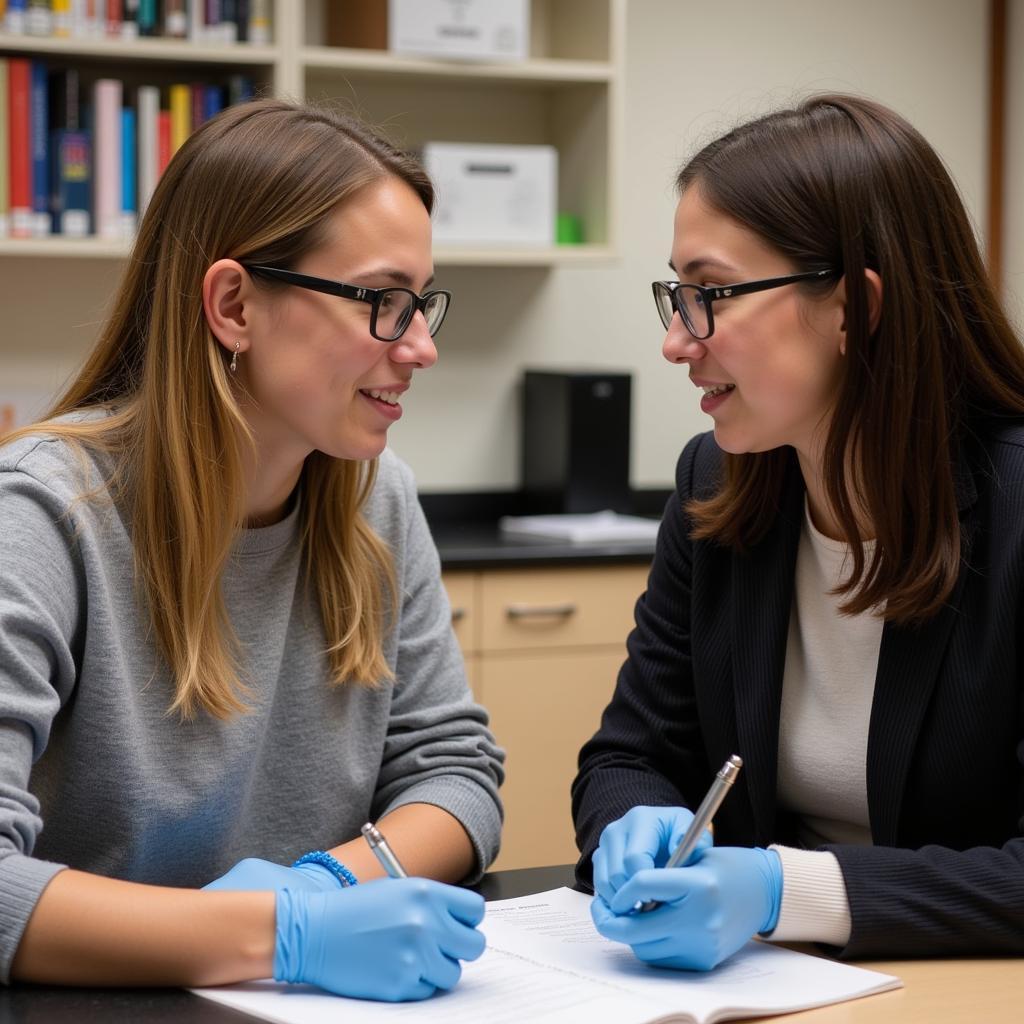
709 805
388 861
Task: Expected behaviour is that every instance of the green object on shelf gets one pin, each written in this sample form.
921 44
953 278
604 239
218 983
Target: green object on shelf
568 229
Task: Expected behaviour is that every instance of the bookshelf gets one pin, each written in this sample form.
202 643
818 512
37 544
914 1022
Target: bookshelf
567 94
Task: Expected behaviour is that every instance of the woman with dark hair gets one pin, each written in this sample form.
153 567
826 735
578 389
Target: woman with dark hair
224 640
837 590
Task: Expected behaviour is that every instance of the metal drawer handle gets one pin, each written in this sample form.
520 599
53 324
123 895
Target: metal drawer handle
458 614
546 611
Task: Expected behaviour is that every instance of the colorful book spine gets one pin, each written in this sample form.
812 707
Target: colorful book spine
19 118
163 138
14 17
130 19
65 100
213 101
181 115
240 89
73 184
69 156
62 23
149 23
229 21
196 20
39 18
5 187
196 104
129 201
259 22
39 128
242 20
113 16
107 99
175 19
148 107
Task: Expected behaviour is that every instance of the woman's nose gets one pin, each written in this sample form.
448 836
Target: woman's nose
680 345
415 346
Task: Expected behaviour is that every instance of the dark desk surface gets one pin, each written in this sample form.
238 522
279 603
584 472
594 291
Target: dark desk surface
465 529
935 992
483 546
48 1004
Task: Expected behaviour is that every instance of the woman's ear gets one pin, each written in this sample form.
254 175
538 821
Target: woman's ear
873 291
226 293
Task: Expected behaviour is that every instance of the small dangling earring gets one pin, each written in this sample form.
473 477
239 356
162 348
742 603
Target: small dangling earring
234 359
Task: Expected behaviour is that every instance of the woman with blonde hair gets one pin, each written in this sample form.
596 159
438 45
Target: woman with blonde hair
223 636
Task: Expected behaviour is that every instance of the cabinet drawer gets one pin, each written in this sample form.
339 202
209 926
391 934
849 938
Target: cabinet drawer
462 595
545 608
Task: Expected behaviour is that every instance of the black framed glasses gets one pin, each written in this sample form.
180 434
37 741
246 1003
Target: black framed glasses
693 301
391 309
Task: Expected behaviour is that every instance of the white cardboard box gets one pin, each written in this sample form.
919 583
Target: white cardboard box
493 194
463 29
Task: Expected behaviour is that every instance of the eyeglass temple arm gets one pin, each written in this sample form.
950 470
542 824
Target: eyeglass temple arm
769 282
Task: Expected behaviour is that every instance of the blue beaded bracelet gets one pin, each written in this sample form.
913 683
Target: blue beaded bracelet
335 867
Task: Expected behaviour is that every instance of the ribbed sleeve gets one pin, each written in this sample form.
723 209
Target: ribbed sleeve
814 904
22 881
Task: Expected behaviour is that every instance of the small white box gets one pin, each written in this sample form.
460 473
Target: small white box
493 195
463 29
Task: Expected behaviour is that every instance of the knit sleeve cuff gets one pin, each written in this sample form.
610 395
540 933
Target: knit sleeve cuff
22 881
477 810
815 907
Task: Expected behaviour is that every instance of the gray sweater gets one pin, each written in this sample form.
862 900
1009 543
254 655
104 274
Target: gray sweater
126 790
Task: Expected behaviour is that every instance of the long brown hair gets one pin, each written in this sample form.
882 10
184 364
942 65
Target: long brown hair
256 183
844 182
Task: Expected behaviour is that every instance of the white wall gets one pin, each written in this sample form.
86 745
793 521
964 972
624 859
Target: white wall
693 70
1013 210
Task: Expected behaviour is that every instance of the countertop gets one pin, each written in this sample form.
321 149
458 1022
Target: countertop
482 546
465 529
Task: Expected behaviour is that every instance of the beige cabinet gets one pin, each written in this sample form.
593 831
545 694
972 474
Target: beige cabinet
543 648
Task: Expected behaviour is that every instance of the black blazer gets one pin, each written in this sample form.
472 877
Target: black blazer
945 755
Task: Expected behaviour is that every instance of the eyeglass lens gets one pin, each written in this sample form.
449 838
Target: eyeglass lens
688 301
397 307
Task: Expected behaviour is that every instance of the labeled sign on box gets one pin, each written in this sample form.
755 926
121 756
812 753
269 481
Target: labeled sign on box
464 29
493 194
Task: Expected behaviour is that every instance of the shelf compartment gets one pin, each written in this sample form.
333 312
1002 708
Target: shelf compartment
119 51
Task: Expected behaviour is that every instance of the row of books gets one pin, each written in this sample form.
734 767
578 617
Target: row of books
219 21
75 168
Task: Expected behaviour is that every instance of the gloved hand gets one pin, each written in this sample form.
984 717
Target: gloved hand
709 908
642 838
391 939
253 874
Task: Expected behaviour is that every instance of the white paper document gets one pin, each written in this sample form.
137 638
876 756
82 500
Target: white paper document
546 964
584 528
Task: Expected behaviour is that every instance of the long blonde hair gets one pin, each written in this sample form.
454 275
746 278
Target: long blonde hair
256 183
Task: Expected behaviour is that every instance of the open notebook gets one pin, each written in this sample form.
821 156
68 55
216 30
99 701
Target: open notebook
545 964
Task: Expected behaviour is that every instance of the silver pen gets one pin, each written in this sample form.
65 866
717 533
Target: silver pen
709 805
383 852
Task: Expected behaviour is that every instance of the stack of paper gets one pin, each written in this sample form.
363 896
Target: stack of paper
546 964
591 528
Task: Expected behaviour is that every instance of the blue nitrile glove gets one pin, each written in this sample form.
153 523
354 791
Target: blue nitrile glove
709 908
642 838
391 939
253 874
